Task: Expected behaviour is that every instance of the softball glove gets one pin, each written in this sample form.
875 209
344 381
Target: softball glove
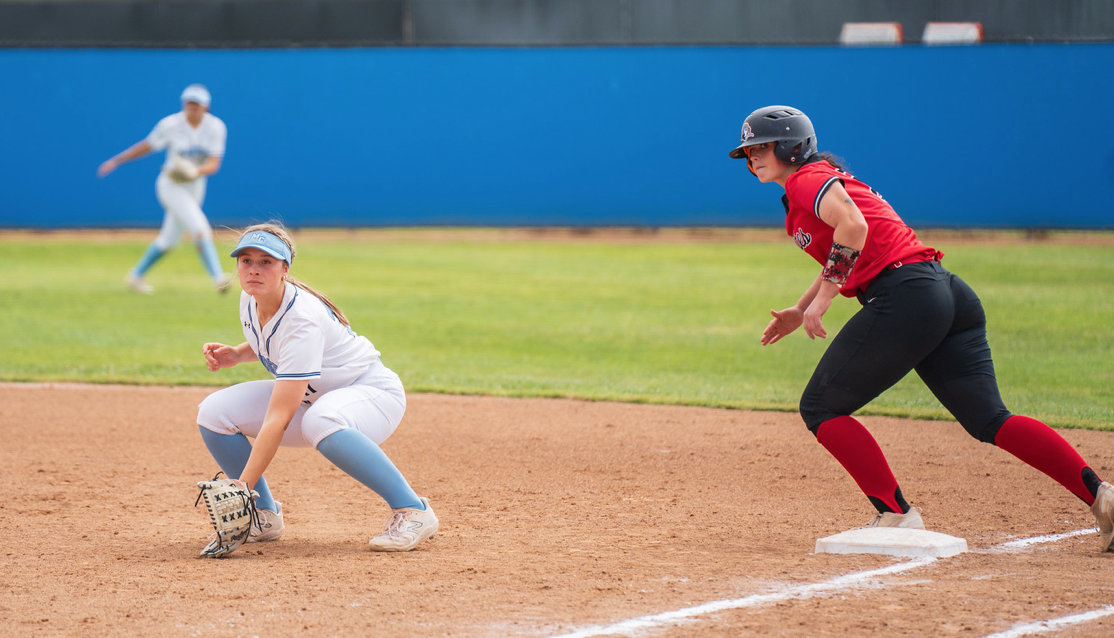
182 170
231 508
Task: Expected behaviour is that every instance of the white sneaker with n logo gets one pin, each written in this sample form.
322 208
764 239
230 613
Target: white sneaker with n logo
267 526
406 528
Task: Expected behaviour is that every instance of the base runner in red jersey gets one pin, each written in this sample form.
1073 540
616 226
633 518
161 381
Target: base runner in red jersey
915 315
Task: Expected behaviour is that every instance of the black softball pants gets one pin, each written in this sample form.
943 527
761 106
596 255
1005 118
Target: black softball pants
917 317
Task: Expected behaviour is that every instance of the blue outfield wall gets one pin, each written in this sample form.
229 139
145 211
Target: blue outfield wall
983 136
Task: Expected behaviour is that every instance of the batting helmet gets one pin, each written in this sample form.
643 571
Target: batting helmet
790 128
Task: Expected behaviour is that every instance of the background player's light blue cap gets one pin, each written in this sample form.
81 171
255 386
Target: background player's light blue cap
266 242
197 93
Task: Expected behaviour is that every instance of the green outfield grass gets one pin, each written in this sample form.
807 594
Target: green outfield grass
660 322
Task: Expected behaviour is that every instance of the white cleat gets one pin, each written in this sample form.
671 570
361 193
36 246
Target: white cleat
1103 509
406 528
137 283
267 526
908 520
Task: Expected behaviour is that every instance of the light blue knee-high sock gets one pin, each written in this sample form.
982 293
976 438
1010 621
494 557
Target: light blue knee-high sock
153 254
208 253
361 458
231 452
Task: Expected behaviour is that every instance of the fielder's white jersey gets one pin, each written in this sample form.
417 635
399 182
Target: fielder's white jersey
305 340
174 134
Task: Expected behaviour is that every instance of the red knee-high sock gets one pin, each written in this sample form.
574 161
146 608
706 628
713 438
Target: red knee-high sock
1043 448
857 451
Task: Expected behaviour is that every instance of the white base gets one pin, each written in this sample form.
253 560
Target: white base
894 541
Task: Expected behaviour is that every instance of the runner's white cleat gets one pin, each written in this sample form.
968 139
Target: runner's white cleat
267 526
136 283
406 528
1103 509
908 520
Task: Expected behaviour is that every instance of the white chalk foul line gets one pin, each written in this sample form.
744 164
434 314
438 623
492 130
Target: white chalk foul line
1036 540
1052 625
627 627
801 591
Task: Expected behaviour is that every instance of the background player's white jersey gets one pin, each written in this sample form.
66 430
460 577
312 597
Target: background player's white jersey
175 134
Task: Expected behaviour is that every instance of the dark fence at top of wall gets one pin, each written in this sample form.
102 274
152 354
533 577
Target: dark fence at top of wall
530 23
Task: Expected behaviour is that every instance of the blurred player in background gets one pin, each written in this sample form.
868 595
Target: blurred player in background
915 316
330 392
194 142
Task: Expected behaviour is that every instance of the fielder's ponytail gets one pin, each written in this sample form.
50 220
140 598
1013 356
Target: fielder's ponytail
277 230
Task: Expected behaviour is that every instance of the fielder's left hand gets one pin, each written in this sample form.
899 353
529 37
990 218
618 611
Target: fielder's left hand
218 355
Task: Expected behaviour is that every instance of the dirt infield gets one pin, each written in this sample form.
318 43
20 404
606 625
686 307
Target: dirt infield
557 516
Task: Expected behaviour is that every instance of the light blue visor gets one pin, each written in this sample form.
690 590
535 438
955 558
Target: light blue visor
266 242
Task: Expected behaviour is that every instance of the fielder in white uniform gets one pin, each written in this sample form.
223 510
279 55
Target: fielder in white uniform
330 392
194 143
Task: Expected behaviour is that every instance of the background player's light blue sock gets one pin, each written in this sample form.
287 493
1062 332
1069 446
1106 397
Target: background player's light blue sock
362 459
153 254
231 452
208 253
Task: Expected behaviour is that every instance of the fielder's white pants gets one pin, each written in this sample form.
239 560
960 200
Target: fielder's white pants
182 203
375 410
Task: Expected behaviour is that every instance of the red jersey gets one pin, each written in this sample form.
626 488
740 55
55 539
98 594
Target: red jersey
889 242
